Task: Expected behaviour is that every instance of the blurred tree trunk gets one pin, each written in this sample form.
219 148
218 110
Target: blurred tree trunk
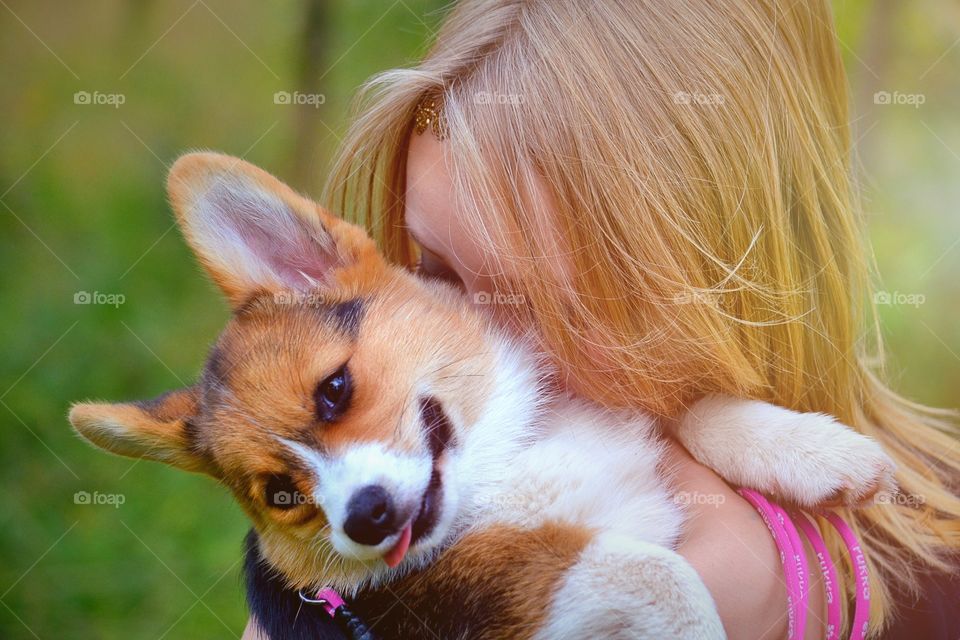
312 56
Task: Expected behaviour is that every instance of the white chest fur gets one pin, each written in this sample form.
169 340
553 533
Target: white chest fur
532 461
591 468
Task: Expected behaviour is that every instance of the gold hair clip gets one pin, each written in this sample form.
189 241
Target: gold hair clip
430 115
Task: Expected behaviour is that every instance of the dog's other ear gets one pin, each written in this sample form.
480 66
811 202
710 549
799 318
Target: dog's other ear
254 233
161 429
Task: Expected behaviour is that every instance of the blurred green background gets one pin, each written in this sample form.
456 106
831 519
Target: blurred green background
82 209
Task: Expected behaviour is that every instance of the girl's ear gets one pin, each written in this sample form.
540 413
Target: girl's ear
252 232
162 429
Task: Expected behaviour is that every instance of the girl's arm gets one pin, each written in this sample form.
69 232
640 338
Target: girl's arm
732 550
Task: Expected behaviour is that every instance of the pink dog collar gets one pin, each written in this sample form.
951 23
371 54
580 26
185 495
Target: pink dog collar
330 600
337 609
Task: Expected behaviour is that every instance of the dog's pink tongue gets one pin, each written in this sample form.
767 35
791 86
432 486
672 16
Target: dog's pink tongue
395 555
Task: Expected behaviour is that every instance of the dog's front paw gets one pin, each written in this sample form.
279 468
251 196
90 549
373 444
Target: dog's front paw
807 459
827 464
867 478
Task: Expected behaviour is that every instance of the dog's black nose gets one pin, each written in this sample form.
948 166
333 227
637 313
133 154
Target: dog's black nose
371 516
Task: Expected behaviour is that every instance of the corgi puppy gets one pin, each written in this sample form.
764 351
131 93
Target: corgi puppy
388 441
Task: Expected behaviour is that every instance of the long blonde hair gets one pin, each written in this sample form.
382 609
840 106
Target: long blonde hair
697 158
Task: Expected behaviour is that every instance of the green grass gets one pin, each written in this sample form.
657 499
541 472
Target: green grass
83 209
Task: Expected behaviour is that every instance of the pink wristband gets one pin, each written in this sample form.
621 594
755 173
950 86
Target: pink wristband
799 558
861 616
787 558
829 571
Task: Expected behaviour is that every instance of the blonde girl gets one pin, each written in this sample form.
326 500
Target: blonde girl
662 192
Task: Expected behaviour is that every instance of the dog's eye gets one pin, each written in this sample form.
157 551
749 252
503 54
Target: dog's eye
333 395
281 493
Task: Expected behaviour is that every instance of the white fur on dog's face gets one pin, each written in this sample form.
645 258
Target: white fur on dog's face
404 476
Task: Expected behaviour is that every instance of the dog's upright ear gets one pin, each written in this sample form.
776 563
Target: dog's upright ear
161 429
253 233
